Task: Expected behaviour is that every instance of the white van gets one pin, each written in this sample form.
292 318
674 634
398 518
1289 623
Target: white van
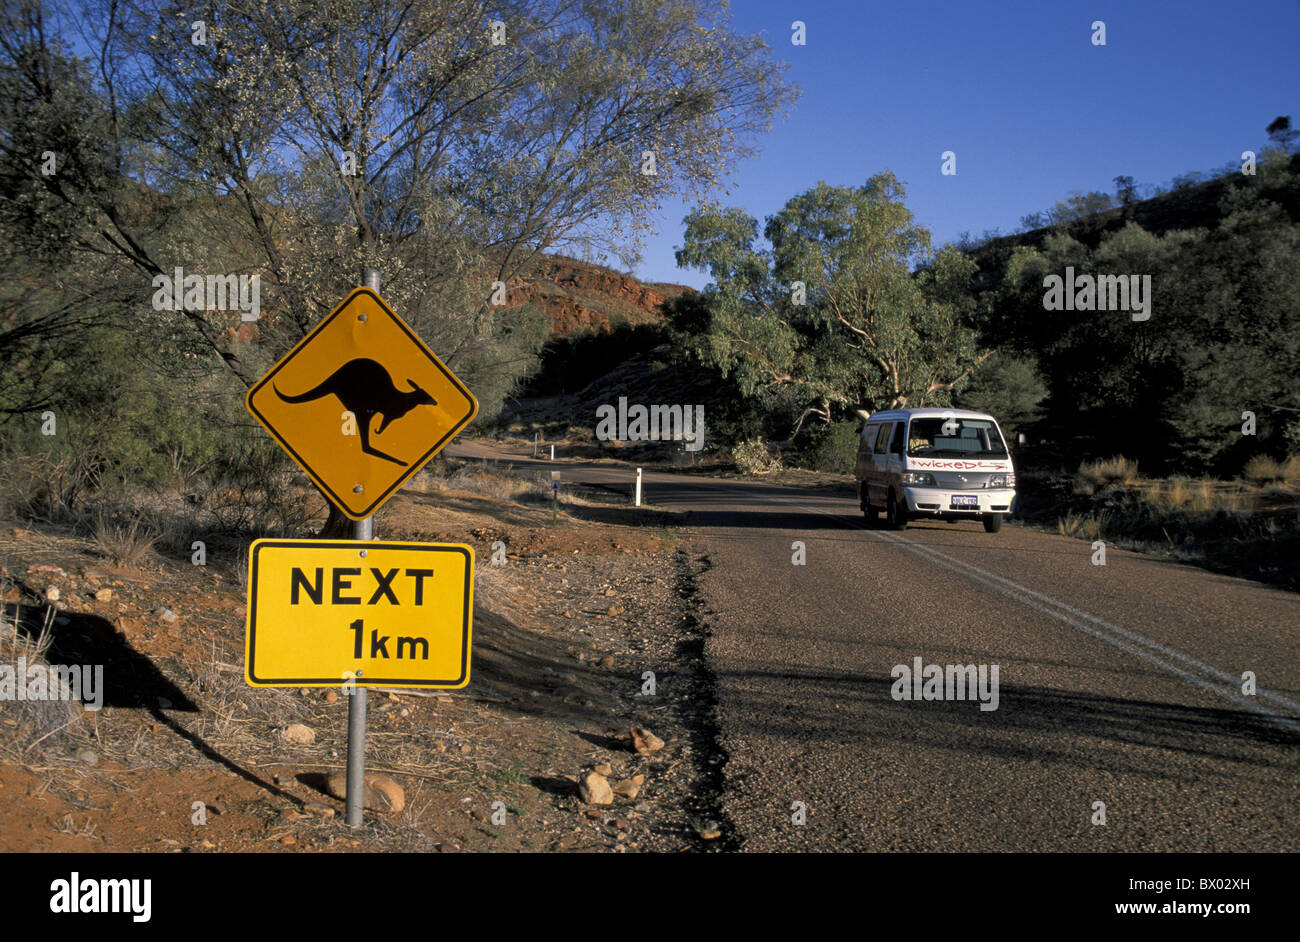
944 463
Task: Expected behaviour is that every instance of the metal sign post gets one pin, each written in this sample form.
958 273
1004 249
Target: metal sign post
364 530
361 358
356 788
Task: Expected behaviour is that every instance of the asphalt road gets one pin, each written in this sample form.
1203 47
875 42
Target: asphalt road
1118 684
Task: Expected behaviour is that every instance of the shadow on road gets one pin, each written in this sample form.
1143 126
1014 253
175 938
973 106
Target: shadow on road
764 520
859 710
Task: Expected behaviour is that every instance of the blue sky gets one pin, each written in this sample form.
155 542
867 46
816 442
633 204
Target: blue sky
1032 109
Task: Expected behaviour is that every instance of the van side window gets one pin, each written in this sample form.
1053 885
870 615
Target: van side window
897 445
882 440
868 438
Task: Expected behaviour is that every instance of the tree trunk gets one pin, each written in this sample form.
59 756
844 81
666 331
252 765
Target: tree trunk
823 412
337 527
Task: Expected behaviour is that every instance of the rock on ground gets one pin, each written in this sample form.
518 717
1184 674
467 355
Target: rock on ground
645 742
594 789
299 734
382 794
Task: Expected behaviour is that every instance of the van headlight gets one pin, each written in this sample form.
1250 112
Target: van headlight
918 479
1001 480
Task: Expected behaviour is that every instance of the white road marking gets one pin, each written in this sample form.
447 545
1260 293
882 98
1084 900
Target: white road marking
1100 629
1023 595
1027 596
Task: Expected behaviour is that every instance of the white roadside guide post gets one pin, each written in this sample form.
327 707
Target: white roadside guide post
552 452
363 530
638 487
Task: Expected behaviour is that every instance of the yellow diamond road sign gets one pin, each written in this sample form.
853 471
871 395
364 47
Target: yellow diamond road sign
361 403
386 614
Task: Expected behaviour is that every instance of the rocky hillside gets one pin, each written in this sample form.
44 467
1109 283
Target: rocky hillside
582 296
578 296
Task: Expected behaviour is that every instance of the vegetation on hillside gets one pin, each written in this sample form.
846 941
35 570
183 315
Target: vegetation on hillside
371 134
886 320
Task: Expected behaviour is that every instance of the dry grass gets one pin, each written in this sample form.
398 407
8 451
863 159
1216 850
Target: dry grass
45 487
239 576
16 643
178 530
756 457
124 545
1099 474
1180 493
500 482
1265 470
1175 492
27 724
1207 497
1228 526
1087 526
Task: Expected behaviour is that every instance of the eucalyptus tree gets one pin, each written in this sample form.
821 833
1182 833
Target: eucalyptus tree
844 303
442 142
448 143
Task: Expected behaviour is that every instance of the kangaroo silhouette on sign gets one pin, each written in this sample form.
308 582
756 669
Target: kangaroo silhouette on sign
366 390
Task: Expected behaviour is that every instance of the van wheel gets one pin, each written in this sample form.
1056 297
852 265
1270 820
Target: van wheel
864 501
895 513
992 523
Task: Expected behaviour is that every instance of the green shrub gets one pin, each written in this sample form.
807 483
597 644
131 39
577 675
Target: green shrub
832 447
1292 438
1010 389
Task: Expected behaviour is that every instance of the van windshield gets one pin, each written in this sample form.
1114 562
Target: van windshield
955 437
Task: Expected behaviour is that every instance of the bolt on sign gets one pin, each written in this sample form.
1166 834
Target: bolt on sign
386 614
361 404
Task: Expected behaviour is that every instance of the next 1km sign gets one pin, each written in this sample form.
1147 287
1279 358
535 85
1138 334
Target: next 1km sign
388 614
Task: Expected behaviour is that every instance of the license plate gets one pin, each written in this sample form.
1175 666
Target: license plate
959 500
